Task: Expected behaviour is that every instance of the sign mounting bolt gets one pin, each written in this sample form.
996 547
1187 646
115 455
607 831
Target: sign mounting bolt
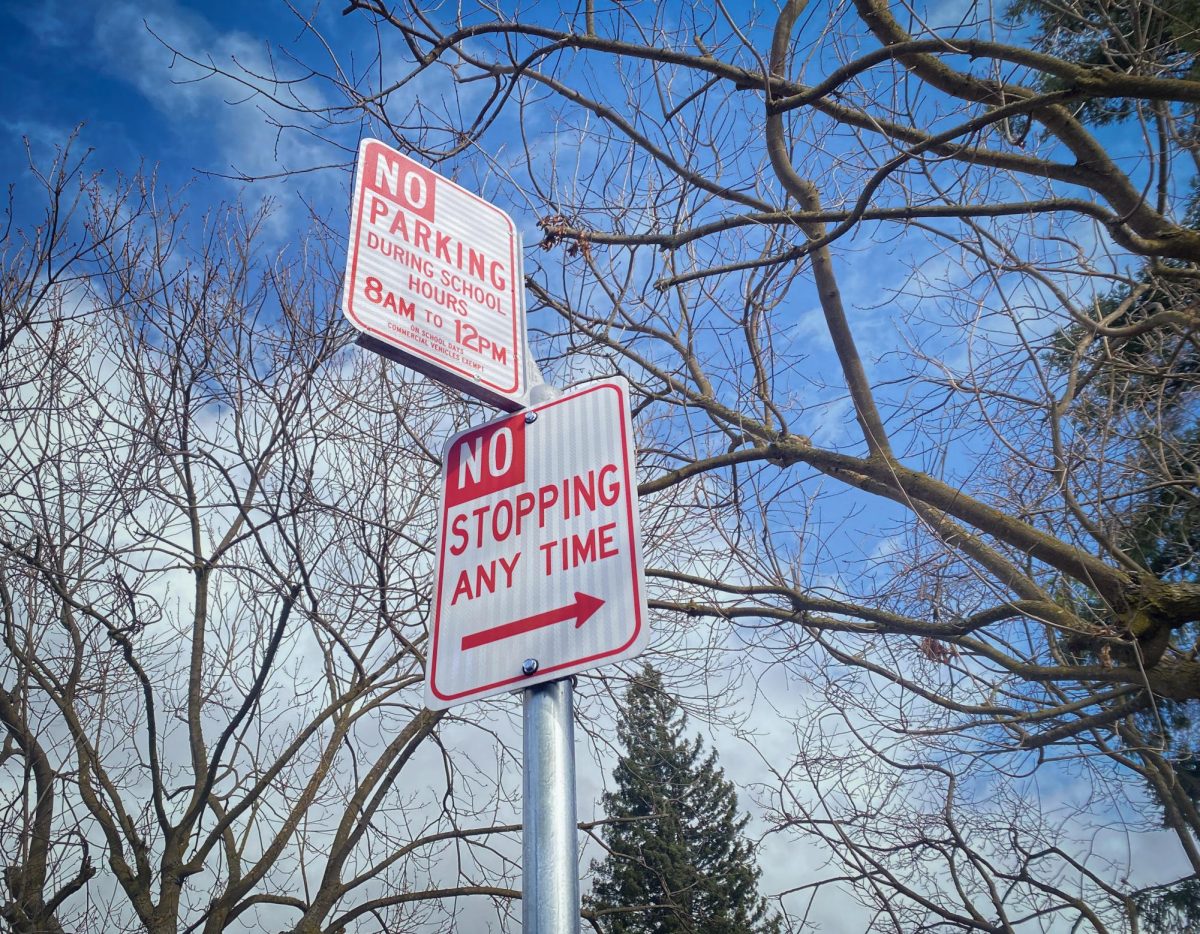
530 418
529 666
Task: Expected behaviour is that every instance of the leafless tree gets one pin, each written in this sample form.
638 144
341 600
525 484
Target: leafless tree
213 565
914 493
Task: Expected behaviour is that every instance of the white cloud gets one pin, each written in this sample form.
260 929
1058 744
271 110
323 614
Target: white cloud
215 93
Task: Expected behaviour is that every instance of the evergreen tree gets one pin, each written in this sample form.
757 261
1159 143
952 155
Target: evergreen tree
1145 386
1158 526
677 861
1160 39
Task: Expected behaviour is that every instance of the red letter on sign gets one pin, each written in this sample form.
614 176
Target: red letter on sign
485 461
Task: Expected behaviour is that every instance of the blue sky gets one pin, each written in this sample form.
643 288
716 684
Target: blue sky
101 66
63 64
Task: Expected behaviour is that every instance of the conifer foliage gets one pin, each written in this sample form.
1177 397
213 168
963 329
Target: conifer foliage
677 860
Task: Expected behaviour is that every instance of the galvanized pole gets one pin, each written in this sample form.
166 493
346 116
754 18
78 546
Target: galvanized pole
550 900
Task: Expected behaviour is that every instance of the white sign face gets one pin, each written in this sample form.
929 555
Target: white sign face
433 278
540 551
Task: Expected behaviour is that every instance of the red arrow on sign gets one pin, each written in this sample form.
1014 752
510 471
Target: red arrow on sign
580 611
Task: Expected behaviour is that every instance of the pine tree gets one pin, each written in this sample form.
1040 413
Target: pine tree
1146 387
1159 525
677 861
1146 384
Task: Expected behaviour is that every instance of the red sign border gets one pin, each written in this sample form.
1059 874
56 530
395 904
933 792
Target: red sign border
626 446
466 379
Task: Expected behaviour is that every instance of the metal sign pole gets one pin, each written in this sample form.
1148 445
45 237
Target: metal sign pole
399 314
550 901
549 851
